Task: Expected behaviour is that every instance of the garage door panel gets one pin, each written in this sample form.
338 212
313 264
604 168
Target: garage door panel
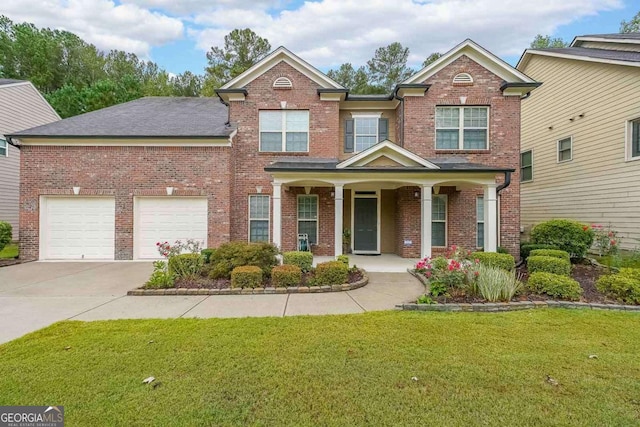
79 228
168 220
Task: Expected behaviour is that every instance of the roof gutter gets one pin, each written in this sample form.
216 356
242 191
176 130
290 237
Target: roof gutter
506 183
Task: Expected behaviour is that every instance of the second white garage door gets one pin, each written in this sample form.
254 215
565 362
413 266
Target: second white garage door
164 219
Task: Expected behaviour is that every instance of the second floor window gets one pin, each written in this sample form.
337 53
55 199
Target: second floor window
4 148
363 132
284 131
526 166
462 128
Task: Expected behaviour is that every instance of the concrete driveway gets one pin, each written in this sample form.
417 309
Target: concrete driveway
37 294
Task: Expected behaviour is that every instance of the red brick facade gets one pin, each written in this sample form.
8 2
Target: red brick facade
228 175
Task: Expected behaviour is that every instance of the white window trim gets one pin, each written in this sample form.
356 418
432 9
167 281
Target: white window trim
628 136
461 128
268 219
446 220
520 166
283 132
6 146
570 138
355 117
317 220
479 220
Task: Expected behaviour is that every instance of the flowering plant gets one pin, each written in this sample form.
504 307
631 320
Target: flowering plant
168 251
455 272
606 240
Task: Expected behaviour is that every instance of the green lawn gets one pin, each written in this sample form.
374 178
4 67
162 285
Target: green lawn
9 251
472 369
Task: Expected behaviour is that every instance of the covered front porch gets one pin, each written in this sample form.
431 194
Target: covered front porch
383 263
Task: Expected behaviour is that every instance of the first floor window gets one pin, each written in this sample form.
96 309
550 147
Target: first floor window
259 218
4 147
462 128
634 138
284 131
565 148
480 222
308 217
439 221
526 166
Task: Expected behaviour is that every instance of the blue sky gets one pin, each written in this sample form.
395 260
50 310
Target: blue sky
177 33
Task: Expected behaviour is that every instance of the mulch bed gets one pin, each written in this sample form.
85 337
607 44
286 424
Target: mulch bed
207 283
585 273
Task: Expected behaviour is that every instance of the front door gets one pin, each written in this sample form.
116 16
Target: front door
365 225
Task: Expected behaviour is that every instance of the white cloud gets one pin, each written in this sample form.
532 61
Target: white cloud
101 22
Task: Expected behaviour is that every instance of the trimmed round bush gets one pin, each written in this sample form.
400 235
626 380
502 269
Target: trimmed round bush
6 233
548 264
555 253
185 265
526 248
343 259
286 275
302 259
494 259
623 286
570 236
235 254
246 276
555 286
331 273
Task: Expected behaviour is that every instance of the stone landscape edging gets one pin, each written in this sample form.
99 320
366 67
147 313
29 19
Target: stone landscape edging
254 291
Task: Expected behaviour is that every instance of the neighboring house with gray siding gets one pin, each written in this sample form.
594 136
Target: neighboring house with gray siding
21 107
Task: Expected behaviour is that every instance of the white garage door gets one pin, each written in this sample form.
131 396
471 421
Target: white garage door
78 228
167 220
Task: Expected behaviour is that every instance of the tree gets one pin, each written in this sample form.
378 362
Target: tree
431 58
388 66
543 42
242 49
356 81
187 84
633 26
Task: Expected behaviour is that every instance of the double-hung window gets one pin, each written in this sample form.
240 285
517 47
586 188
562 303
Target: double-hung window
284 131
308 217
633 138
565 149
4 148
480 222
526 166
462 128
364 131
439 221
259 218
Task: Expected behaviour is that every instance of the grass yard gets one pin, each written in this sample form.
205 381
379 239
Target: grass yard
471 369
9 251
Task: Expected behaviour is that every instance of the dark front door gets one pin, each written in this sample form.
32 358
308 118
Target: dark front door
365 224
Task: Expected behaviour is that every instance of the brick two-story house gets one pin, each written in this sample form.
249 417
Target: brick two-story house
284 151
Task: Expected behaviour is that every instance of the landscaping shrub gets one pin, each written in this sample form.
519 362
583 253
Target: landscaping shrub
185 265
623 286
235 254
554 285
286 275
160 278
331 273
343 259
302 259
246 276
496 283
526 248
5 234
548 264
568 235
502 250
206 254
493 259
555 253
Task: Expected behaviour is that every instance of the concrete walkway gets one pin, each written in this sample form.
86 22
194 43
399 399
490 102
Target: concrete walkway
35 295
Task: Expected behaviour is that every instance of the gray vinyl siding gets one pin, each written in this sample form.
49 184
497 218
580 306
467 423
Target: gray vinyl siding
21 107
599 185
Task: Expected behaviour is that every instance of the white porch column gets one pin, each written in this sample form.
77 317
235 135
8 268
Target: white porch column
490 218
338 212
277 215
425 214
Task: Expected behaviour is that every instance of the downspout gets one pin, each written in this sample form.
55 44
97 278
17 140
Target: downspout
401 99
499 188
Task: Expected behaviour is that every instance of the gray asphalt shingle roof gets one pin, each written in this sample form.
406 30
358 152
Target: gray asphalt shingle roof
10 81
614 55
614 36
163 117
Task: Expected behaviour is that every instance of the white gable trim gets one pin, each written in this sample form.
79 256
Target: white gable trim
576 41
529 52
274 58
477 53
388 149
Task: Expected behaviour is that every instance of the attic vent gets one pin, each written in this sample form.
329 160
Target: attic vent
463 79
282 83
